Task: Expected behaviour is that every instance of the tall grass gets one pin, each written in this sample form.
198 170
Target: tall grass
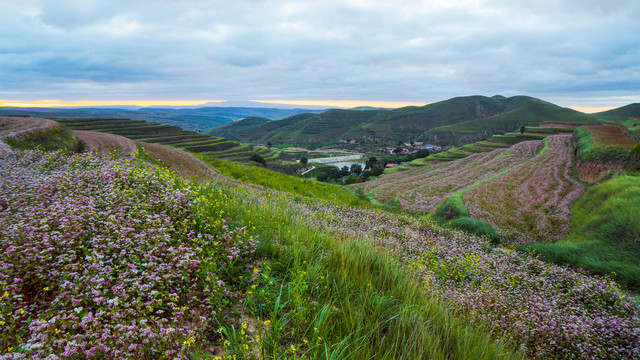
605 232
336 298
55 138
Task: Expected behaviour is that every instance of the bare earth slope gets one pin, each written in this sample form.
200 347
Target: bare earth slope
105 144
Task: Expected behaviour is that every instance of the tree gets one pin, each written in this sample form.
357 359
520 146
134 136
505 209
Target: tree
422 153
370 162
303 160
356 169
257 158
352 179
376 170
522 129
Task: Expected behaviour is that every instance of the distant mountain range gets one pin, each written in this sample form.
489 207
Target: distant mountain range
456 121
198 119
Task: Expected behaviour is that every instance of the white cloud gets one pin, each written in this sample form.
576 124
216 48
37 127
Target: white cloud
402 51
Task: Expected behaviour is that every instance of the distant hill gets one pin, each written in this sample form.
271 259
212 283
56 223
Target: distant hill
198 119
621 113
454 121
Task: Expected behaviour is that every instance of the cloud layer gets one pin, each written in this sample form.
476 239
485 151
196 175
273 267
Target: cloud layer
581 53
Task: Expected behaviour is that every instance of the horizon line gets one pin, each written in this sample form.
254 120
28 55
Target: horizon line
328 103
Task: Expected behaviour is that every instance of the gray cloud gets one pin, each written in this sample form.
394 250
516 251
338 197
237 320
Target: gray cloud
351 49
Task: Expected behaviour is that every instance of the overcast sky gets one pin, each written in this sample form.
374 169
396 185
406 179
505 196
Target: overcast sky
571 52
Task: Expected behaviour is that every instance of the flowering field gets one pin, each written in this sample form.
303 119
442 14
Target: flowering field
20 126
420 190
107 259
551 312
532 203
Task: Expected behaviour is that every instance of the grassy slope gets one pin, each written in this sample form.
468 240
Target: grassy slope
281 182
621 113
604 232
462 115
348 299
364 291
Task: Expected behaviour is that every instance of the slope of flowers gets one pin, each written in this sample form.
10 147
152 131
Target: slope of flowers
106 259
552 312
104 143
533 201
420 190
20 126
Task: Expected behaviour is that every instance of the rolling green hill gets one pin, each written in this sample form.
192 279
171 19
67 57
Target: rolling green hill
456 121
621 113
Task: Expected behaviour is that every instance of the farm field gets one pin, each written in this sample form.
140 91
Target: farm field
533 201
105 257
421 189
611 136
113 300
191 141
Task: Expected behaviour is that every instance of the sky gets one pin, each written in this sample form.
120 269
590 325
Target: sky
578 53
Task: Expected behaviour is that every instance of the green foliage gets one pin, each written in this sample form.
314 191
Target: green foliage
604 232
278 181
588 150
304 160
48 139
257 158
474 226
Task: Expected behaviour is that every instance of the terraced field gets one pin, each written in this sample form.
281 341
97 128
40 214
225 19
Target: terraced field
533 201
507 140
421 189
174 136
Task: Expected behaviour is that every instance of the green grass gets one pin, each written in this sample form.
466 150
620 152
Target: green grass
278 181
48 139
605 230
333 298
633 125
589 150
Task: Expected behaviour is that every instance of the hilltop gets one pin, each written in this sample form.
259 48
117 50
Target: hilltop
457 121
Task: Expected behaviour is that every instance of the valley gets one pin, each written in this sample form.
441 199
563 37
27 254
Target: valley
145 240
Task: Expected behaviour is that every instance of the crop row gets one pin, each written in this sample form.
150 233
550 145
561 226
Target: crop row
152 132
421 189
533 201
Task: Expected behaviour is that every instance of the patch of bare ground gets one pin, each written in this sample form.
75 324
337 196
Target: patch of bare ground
593 170
16 126
106 144
181 162
611 136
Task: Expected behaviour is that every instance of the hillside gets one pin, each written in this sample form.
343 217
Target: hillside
191 141
621 113
455 121
198 119
148 265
